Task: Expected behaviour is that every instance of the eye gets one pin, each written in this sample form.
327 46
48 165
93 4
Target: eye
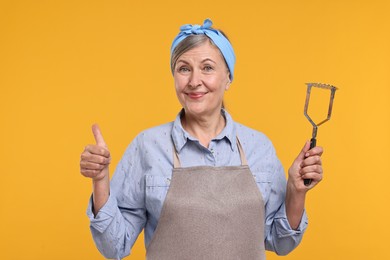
208 68
183 69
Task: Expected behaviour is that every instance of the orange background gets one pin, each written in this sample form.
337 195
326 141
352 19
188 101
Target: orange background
67 64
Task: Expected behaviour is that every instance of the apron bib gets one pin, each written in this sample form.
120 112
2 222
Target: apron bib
210 213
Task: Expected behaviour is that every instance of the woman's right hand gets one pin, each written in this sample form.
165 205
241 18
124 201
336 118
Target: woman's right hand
94 164
95 158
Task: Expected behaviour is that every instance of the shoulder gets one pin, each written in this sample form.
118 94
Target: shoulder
154 136
250 135
257 146
157 132
150 145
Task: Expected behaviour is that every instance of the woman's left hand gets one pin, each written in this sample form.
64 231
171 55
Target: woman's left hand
308 165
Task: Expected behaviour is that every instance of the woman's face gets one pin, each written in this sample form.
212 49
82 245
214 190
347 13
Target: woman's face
201 78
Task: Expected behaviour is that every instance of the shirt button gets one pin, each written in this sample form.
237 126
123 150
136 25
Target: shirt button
210 158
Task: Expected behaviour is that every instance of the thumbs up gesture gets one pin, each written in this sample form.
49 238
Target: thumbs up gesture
95 158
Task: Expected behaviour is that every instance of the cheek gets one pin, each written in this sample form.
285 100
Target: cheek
217 85
180 83
179 88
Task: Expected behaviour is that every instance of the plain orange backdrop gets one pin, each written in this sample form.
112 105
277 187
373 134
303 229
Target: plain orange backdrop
65 65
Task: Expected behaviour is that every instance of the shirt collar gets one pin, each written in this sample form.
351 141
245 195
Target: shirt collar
180 136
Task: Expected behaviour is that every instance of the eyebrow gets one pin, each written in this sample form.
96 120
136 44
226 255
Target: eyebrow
203 61
208 59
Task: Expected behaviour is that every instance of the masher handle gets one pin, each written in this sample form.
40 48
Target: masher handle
313 143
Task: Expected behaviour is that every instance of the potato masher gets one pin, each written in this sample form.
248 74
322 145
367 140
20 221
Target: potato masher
313 140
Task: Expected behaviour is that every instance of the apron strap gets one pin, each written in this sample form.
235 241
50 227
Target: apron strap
241 151
176 160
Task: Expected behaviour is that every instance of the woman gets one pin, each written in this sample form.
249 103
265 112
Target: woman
203 186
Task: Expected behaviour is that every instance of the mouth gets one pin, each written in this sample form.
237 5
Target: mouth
196 95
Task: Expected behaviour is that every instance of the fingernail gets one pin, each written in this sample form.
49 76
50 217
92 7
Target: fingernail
307 154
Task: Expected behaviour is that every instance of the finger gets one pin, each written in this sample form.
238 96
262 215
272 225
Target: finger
92 158
311 169
97 150
315 176
98 136
90 173
91 166
312 160
318 150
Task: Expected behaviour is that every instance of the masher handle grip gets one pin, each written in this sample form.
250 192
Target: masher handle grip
313 143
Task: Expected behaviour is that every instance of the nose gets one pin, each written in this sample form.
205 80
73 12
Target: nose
195 79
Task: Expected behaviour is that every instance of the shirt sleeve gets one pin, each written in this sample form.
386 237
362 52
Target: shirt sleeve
118 223
280 237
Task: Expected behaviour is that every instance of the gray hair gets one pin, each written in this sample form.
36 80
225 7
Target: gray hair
190 43
187 44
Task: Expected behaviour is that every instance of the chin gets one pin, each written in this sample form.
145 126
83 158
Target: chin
194 108
198 109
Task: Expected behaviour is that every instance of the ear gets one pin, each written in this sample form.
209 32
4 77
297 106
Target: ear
228 82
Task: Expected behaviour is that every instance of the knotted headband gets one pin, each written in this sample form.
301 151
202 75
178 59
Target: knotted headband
216 36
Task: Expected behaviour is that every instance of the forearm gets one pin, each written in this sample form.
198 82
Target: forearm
282 235
101 192
295 205
111 233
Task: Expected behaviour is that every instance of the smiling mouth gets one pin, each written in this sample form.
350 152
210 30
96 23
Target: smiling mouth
196 95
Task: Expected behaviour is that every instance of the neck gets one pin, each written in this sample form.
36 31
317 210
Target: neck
205 127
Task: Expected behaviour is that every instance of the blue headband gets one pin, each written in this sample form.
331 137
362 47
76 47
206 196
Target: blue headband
216 36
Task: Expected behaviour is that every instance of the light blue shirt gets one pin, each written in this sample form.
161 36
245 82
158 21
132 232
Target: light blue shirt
141 181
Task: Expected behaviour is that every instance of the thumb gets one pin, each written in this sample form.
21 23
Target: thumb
301 155
98 136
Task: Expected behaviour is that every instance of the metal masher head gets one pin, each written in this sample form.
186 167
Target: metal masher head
332 93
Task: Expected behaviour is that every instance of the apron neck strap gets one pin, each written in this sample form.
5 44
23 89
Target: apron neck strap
176 160
241 151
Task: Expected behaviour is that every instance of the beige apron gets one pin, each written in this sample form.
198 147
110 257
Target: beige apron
210 213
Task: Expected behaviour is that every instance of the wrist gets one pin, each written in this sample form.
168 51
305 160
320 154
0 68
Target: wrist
101 182
295 196
297 188
101 192
295 204
103 176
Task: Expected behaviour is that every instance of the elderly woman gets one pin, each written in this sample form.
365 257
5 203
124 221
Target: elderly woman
202 186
